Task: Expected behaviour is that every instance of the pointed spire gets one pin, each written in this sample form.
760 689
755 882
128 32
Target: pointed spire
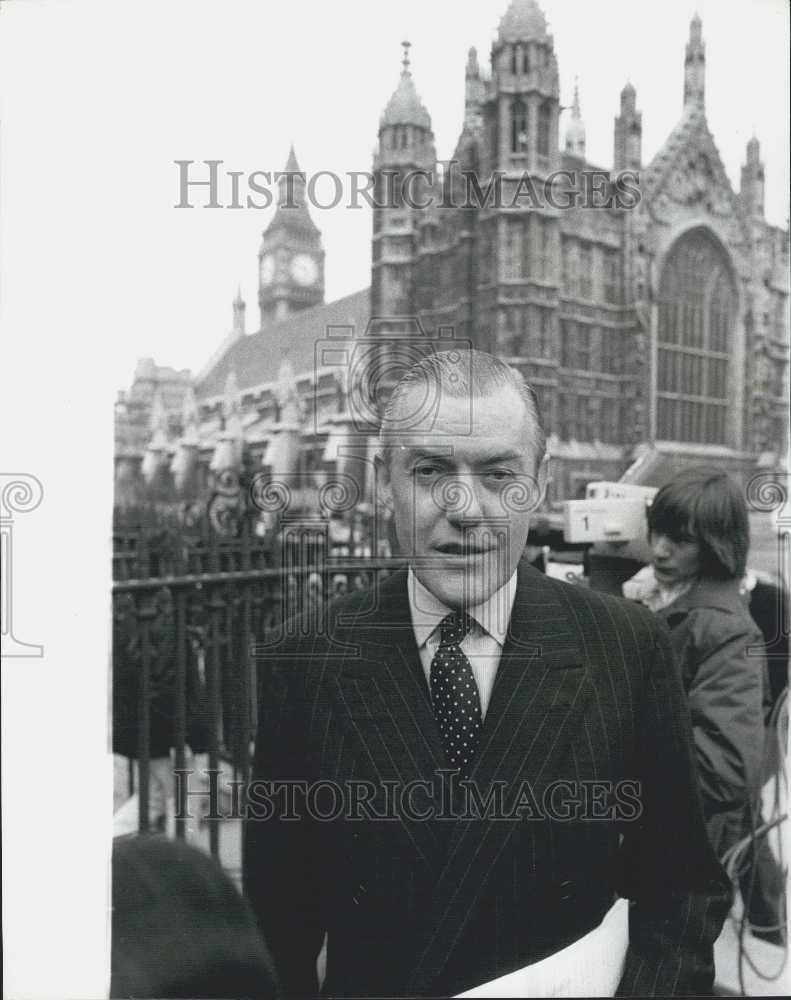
628 132
228 449
184 461
696 28
239 307
292 166
287 393
155 456
230 403
189 417
405 106
695 64
292 210
158 417
523 21
474 91
628 97
405 61
575 129
752 189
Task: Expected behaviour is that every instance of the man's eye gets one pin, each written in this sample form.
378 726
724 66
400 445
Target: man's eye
499 475
426 471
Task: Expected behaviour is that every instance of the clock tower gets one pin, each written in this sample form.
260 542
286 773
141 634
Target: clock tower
291 258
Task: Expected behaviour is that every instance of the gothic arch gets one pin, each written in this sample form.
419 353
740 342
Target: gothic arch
697 312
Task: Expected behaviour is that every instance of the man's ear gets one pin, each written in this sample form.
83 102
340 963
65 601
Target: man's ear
543 480
384 483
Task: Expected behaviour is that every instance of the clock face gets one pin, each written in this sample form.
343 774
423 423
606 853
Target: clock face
267 270
304 269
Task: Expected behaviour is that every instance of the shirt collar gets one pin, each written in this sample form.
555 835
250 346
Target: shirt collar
427 611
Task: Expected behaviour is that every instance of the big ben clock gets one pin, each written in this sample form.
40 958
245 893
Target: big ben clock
304 269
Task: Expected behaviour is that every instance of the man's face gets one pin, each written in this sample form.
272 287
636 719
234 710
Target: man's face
461 492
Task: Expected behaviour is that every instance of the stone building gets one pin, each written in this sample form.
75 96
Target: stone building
663 324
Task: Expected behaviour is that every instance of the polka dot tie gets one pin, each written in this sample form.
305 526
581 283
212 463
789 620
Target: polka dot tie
454 693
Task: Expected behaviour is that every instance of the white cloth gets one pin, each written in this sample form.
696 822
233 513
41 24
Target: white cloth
590 967
644 588
483 645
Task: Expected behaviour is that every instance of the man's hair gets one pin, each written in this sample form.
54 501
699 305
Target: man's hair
706 506
462 373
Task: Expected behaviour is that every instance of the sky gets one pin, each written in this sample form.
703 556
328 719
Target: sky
97 269
109 96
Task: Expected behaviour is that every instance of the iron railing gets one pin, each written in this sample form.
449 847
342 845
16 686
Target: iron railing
184 674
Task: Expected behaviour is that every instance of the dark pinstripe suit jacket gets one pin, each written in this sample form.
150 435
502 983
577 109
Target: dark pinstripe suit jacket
587 692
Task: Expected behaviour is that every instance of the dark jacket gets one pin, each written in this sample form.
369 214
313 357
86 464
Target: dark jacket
721 653
587 697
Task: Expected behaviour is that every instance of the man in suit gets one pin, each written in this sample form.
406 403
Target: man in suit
484 756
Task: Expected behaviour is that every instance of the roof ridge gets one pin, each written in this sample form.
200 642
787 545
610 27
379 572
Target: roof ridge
257 356
305 312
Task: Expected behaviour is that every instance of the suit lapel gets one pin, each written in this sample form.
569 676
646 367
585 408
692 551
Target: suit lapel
538 697
386 705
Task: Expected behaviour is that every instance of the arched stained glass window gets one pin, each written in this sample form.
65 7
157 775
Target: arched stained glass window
697 308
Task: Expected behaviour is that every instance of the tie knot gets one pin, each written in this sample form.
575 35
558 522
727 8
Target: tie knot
454 628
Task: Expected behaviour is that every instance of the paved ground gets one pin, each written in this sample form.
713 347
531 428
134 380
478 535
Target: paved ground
125 810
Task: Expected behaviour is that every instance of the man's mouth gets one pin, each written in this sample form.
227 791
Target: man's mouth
462 548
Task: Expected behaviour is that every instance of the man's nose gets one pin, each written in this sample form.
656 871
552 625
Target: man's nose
463 494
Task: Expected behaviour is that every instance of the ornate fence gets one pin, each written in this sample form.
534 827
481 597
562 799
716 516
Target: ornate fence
189 605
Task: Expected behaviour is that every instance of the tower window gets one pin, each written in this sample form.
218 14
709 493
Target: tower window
525 60
513 250
566 333
564 423
543 347
583 429
527 268
516 52
518 126
542 248
584 272
544 117
609 420
611 354
583 338
611 276
569 262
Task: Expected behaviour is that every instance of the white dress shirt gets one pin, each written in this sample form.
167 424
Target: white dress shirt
483 645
